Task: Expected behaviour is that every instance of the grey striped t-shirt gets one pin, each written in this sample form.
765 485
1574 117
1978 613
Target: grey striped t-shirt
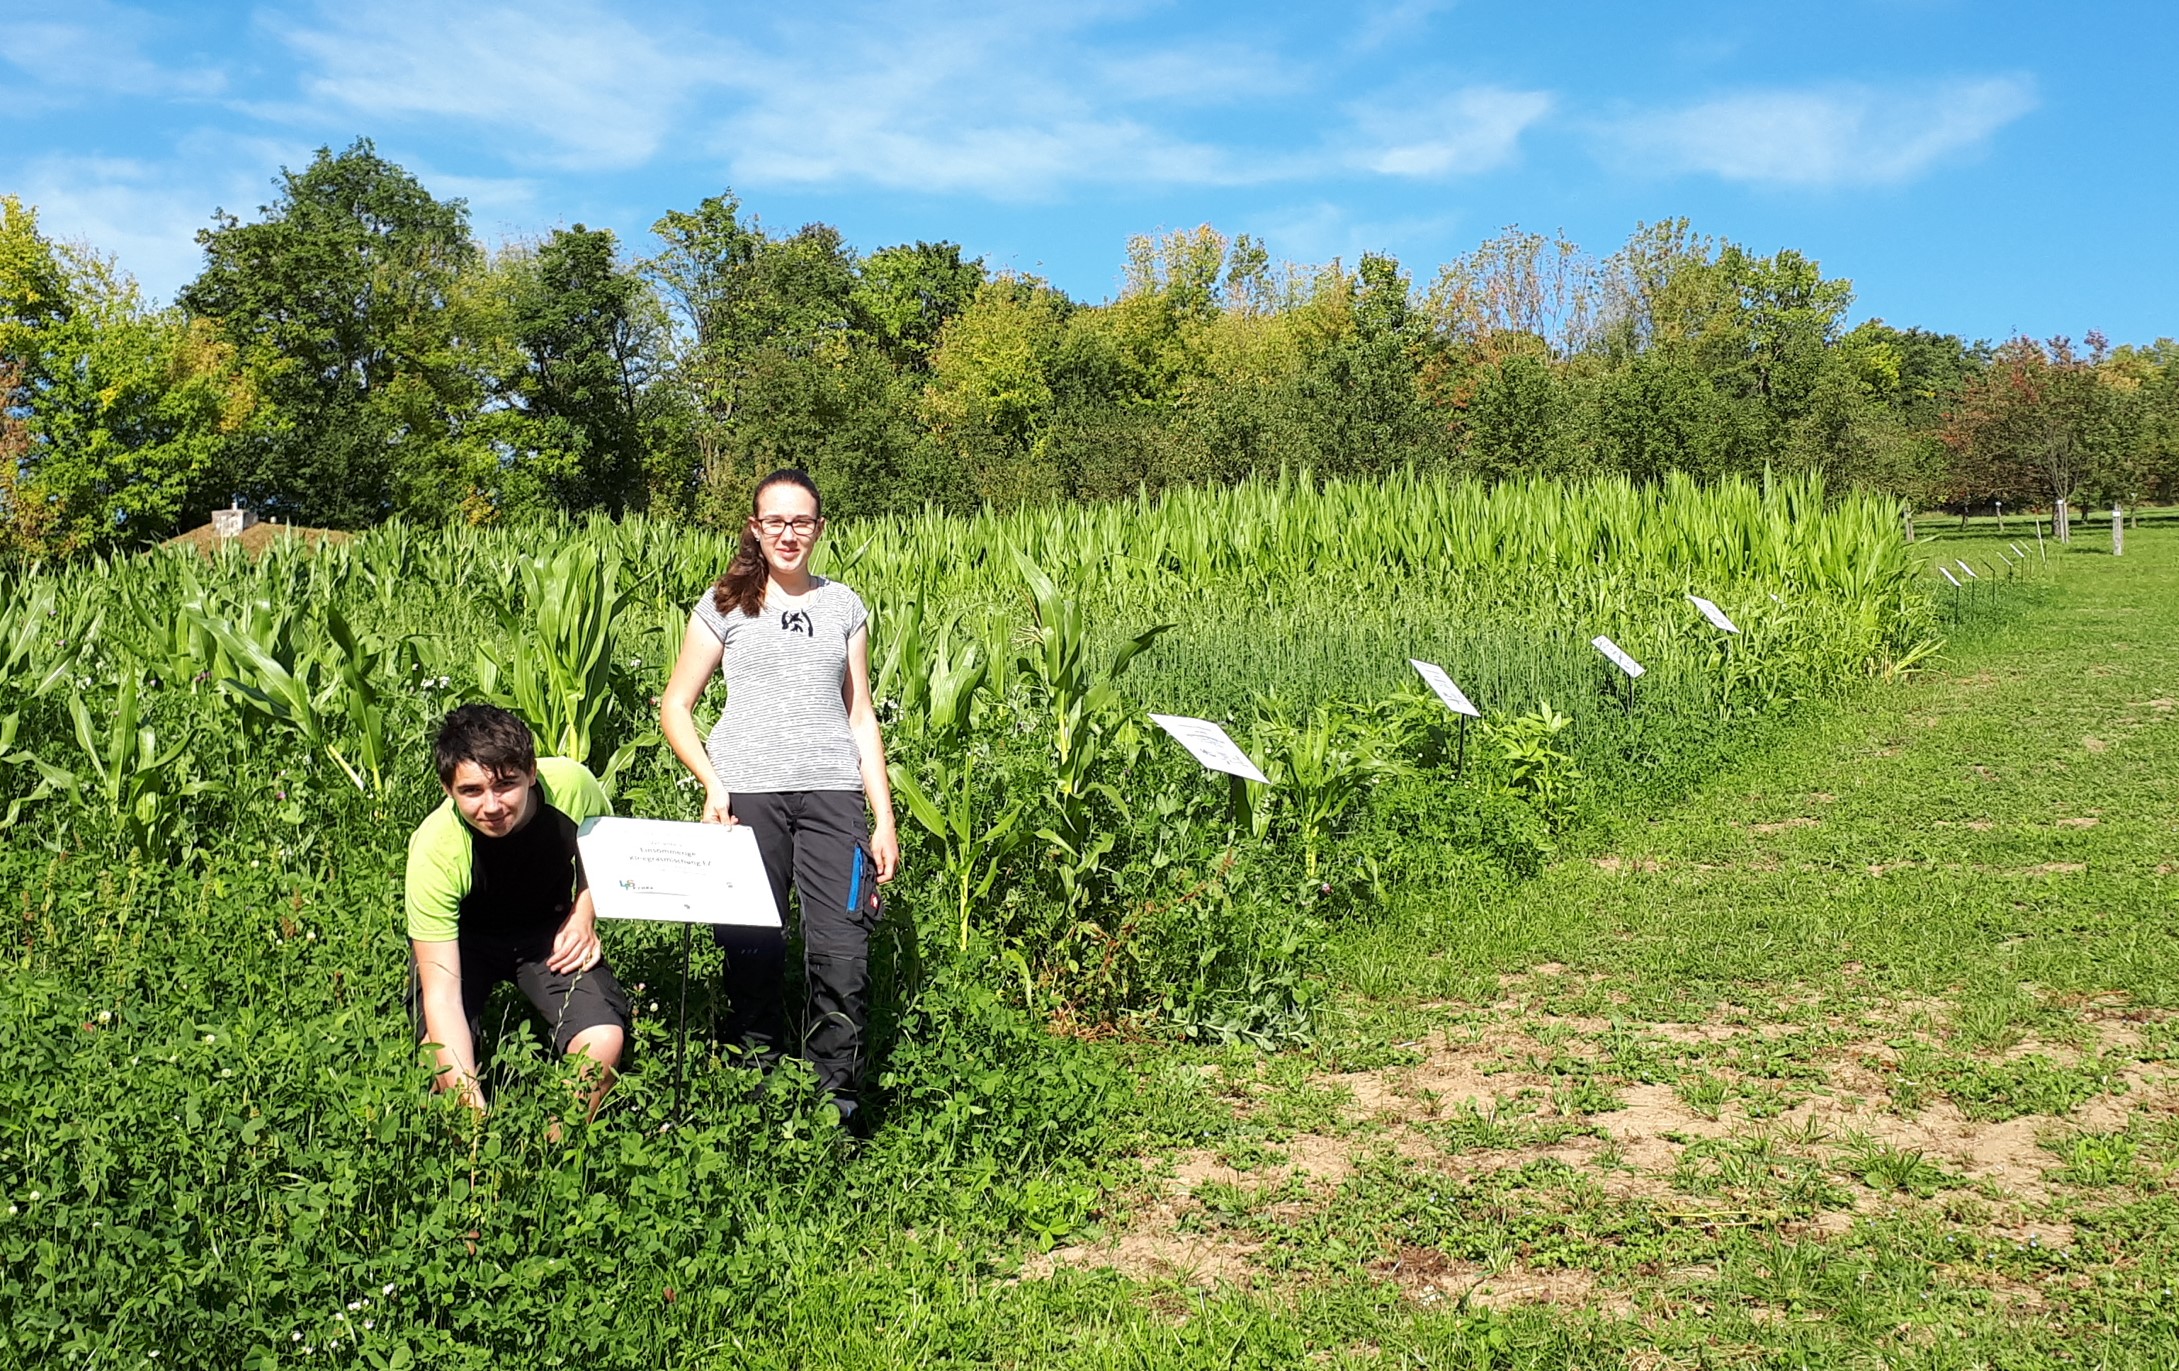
785 722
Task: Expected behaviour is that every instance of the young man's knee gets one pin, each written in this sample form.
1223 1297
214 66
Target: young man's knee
601 1044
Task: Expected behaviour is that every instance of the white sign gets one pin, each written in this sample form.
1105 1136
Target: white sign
1442 685
1969 570
676 872
1715 615
2017 552
1617 654
1949 576
1208 743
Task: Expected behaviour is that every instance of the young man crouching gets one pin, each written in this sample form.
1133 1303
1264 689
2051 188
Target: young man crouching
496 892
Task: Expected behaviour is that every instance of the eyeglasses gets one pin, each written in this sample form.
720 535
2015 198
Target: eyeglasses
771 526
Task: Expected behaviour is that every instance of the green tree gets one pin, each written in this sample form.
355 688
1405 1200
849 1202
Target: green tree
991 397
335 300
904 296
1659 413
1519 420
589 335
744 303
115 409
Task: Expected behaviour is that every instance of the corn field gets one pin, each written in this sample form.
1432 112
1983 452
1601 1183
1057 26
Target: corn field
209 770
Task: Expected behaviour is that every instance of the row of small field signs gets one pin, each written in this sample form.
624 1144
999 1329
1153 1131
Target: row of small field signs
1211 745
1969 572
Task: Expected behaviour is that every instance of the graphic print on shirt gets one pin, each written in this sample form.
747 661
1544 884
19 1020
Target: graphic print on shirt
798 621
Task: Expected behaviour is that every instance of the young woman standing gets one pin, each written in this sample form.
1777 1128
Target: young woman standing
796 756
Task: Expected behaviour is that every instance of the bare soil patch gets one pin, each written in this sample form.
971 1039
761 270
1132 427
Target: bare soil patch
1634 1152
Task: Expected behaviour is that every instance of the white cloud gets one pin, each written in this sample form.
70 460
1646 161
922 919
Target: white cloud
1468 131
143 214
1382 23
1307 236
1832 136
1002 99
1010 103
563 82
88 48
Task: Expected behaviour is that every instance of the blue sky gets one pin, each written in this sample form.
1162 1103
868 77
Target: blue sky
1980 168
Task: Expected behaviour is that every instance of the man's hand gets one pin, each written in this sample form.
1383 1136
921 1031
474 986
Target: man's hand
885 849
718 806
575 947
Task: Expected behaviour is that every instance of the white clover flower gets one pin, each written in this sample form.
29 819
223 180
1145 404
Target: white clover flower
35 1196
297 1336
354 1305
386 1289
226 1071
211 1037
105 1016
366 1325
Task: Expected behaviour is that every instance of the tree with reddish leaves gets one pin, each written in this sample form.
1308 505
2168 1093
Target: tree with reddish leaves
22 523
2039 424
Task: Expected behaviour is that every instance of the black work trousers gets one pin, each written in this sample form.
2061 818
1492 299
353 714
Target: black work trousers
817 842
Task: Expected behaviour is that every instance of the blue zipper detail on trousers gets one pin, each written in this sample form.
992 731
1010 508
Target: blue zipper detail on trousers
855 883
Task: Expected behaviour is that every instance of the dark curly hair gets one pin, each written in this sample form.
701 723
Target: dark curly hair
487 735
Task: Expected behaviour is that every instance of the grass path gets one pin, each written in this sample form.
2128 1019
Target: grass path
1864 1055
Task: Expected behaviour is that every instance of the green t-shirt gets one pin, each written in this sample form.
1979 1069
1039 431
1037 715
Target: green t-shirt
442 854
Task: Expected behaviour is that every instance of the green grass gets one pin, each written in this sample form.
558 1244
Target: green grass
1859 1054
1898 915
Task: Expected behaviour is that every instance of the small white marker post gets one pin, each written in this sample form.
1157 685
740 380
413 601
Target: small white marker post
1716 616
670 871
1947 572
2118 532
1620 659
1210 745
1720 621
1456 700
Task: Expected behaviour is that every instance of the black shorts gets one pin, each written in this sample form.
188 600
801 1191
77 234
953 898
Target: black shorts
570 1003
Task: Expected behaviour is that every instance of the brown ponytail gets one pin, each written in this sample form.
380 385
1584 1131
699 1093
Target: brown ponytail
743 585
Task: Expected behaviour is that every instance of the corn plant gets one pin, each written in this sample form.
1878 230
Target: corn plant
1082 703
1320 768
357 666
972 849
34 657
555 666
126 774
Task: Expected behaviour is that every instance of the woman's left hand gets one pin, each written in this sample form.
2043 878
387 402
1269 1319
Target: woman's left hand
885 850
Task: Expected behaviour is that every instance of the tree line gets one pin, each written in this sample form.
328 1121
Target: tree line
353 353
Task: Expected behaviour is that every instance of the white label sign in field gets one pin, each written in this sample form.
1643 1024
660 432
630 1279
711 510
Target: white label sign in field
1969 570
1948 575
1208 744
676 872
1618 655
1715 615
1442 685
